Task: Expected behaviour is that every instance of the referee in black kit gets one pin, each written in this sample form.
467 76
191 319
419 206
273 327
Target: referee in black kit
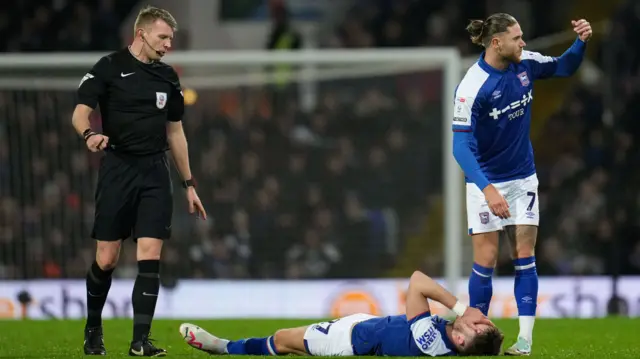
141 104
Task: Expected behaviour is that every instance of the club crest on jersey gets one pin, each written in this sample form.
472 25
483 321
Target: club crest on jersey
524 79
484 217
161 99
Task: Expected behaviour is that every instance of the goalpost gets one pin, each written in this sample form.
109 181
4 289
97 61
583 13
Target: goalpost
202 70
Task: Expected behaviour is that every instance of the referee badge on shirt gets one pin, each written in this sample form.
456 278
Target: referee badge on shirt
161 99
524 79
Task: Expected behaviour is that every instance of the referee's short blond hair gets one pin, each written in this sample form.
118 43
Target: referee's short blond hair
150 14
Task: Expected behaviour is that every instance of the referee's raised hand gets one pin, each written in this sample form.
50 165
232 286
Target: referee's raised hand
97 142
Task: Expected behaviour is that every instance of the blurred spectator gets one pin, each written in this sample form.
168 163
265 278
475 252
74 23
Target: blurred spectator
282 36
48 25
313 258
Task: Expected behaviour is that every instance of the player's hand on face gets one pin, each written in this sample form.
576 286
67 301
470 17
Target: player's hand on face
97 142
472 317
583 29
497 204
195 205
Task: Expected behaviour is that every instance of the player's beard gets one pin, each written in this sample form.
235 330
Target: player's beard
517 56
513 57
504 56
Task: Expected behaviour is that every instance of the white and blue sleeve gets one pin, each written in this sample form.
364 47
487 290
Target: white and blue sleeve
567 64
467 111
468 99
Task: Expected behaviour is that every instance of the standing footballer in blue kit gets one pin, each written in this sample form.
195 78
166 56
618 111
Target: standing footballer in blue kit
491 125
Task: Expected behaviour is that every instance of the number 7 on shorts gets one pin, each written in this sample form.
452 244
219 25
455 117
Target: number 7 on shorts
325 330
533 200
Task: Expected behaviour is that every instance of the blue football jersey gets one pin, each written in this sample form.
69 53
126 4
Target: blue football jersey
495 106
395 336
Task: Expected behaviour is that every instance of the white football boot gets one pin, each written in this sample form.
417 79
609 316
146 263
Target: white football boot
200 339
522 347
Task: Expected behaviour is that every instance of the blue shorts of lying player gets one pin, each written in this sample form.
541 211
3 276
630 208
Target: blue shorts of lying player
418 333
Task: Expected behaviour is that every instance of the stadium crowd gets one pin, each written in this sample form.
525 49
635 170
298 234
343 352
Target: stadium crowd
590 187
331 193
62 25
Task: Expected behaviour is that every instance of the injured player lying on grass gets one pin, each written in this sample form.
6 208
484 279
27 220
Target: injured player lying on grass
414 334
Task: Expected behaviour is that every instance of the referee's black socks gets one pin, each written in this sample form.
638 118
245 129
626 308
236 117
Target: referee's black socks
145 296
98 284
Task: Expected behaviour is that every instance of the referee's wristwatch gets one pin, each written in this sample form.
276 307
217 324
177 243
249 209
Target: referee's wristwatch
189 183
88 133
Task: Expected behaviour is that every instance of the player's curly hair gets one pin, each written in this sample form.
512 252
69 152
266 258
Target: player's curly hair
488 342
482 31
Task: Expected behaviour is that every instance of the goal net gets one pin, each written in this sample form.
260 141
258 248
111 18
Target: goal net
312 164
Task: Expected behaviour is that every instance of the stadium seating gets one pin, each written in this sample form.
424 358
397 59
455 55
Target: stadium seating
300 195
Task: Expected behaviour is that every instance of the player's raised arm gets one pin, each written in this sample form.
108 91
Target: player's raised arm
565 65
422 287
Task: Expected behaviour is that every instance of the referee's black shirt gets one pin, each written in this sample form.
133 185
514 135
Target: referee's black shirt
136 100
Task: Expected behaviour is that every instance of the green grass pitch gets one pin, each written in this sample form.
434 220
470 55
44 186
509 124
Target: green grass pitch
554 338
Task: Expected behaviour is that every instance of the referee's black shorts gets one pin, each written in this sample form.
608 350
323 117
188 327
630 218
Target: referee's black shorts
134 198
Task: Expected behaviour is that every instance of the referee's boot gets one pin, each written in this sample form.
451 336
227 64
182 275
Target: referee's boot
145 348
94 342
